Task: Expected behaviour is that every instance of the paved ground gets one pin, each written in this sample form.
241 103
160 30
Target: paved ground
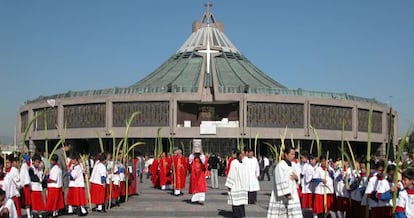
156 203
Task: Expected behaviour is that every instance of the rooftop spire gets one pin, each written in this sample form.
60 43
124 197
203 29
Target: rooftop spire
208 6
208 17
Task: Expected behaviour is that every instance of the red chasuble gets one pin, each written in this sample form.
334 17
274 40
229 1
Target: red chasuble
180 172
165 170
154 174
198 182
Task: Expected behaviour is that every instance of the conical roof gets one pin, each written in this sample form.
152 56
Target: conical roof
208 51
205 55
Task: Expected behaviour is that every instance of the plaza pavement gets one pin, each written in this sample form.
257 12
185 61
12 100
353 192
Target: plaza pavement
157 203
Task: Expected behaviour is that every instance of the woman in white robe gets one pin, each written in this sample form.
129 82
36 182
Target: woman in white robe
236 184
284 201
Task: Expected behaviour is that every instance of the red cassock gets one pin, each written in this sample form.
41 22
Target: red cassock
318 203
154 174
115 191
76 196
37 201
97 193
54 199
18 206
165 170
122 187
26 198
180 172
198 182
132 185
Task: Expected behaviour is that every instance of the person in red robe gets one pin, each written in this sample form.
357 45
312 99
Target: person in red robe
198 184
231 158
180 172
132 186
154 174
165 171
11 181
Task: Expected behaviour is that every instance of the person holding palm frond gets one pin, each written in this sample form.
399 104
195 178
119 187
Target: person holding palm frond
25 183
11 183
323 183
306 180
405 201
284 200
180 172
165 164
342 177
76 191
358 185
98 182
36 178
55 198
379 191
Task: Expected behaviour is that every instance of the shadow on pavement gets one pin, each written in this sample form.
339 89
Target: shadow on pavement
225 213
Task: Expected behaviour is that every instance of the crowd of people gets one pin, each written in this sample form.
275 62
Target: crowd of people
49 187
242 173
342 188
58 185
315 185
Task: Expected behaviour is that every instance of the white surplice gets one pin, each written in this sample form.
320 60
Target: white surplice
237 195
280 205
252 168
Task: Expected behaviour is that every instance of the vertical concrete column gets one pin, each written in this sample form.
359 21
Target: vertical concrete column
355 121
109 114
173 115
306 117
60 116
18 128
243 110
396 130
385 124
20 134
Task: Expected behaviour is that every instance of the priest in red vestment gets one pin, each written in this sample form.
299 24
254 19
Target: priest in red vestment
154 173
165 171
180 172
198 184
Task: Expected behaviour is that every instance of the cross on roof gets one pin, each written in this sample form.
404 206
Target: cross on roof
208 53
208 6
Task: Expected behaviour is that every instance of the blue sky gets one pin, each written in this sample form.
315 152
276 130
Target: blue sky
364 48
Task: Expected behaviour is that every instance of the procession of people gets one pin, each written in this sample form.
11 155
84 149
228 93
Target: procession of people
63 184
301 185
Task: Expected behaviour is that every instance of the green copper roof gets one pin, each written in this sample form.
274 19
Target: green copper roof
208 51
207 54
180 73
